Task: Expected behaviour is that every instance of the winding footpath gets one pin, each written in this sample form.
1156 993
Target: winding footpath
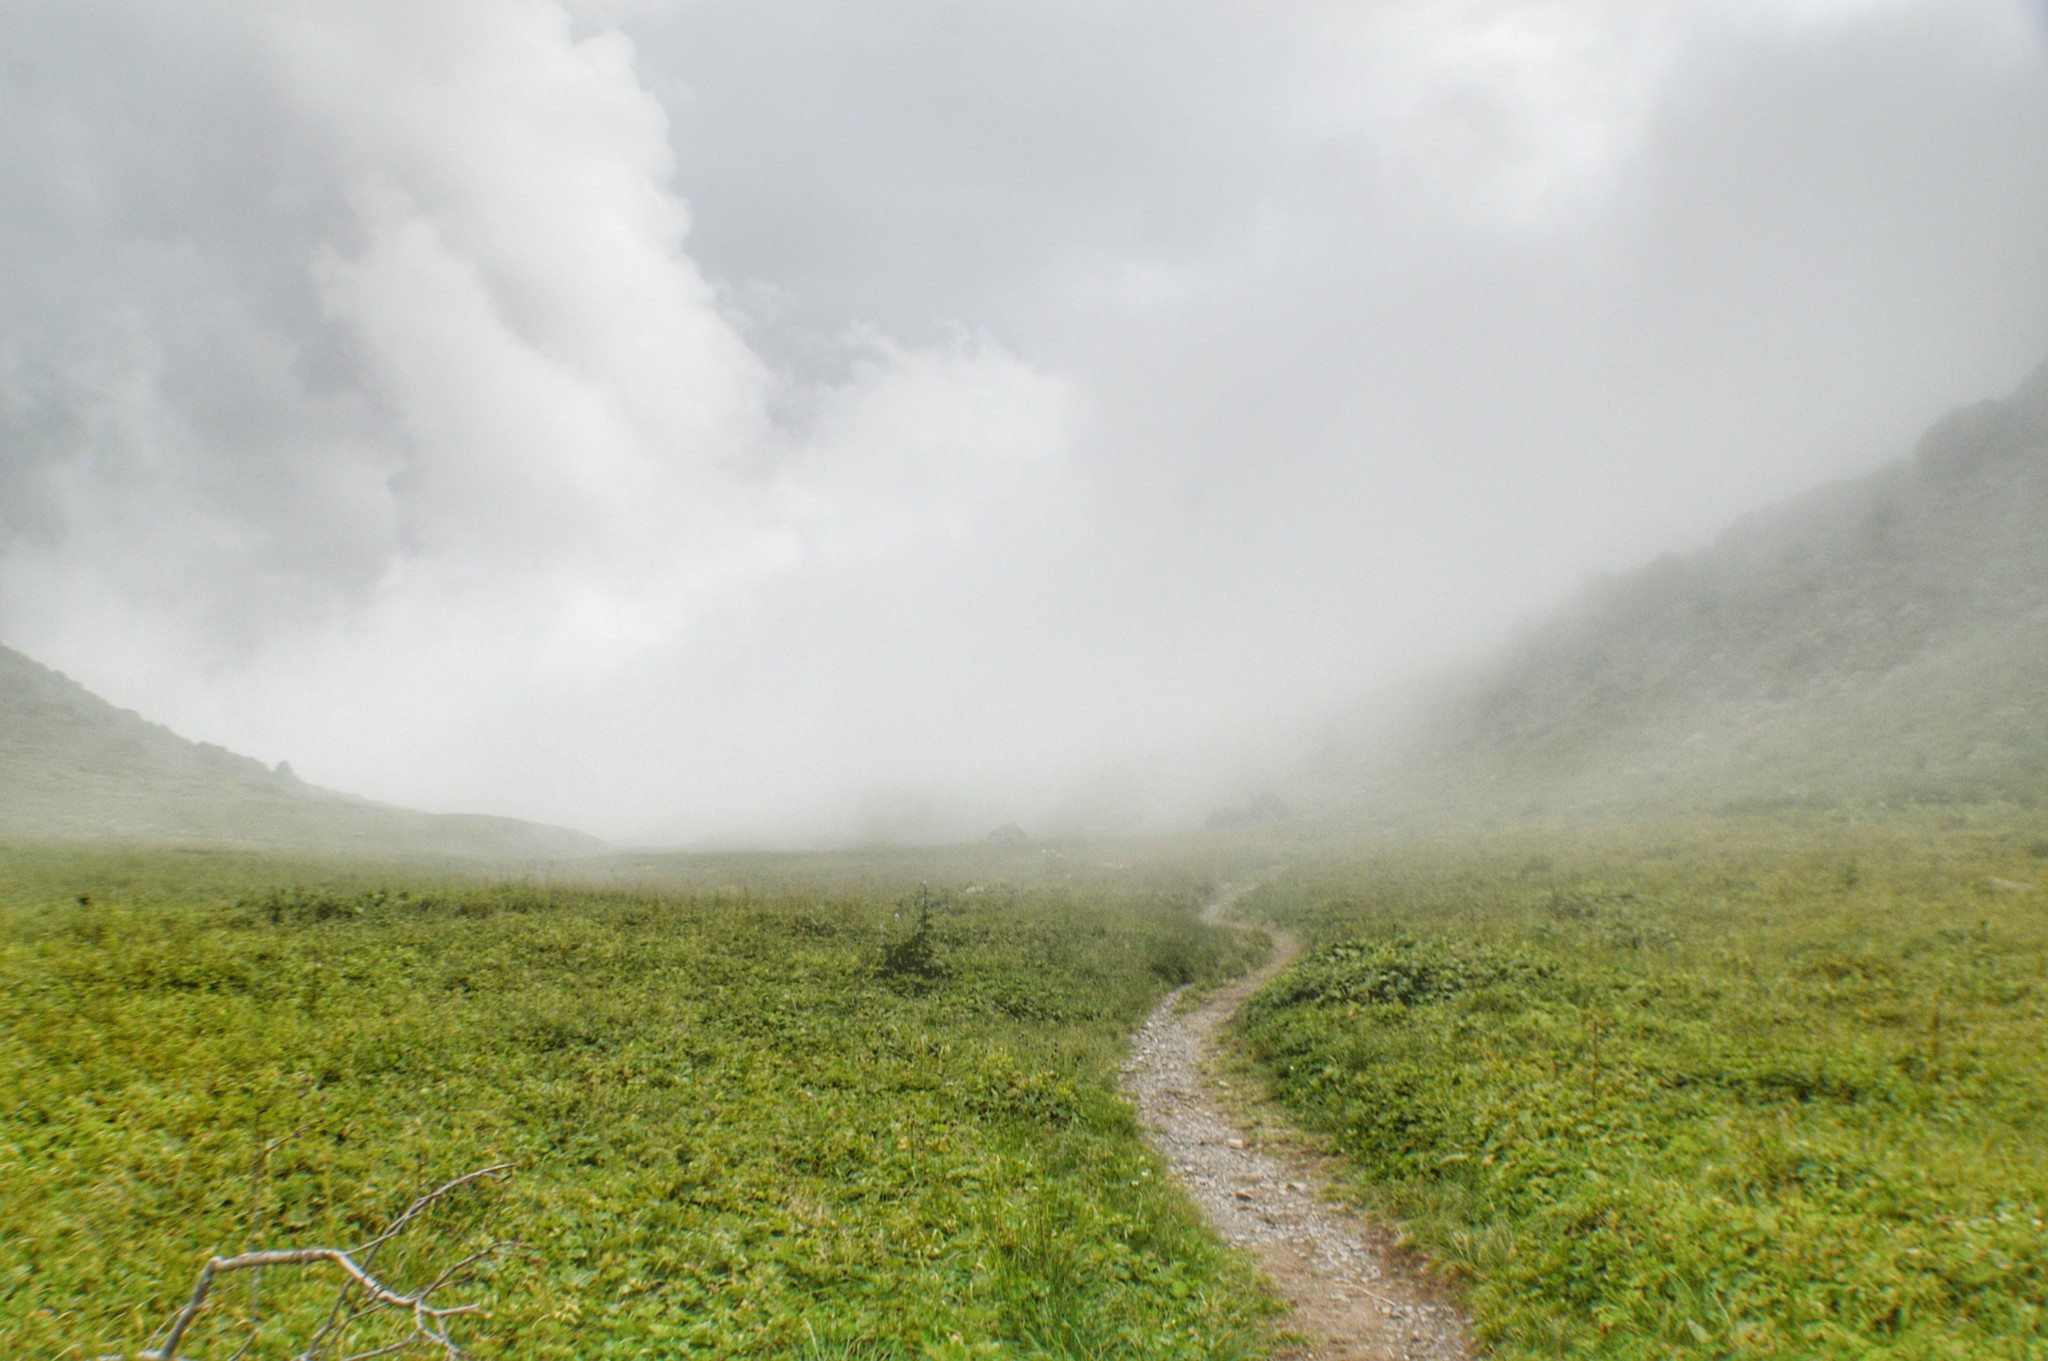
1354 1296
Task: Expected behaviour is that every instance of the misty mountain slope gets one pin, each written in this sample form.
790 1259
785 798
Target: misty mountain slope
73 767
1885 637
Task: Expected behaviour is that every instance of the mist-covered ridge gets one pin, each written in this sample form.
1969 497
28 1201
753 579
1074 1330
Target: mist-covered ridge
73 767
1882 638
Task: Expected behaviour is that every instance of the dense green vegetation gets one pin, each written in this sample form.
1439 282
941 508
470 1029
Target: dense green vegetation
809 1121
1879 638
1721 1088
1726 1089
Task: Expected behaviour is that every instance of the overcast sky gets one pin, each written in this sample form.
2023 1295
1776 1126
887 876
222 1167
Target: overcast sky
804 419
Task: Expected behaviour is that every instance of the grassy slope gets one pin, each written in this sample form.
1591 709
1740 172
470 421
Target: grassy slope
1882 639
73 767
736 1136
1711 1089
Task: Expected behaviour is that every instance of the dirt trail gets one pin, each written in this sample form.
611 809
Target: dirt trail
1355 1296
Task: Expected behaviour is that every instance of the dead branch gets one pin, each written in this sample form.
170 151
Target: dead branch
496 1172
361 1294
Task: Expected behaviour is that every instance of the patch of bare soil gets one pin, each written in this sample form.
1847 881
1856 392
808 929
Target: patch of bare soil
1355 1295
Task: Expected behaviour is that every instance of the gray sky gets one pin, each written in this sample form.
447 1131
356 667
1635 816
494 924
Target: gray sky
797 419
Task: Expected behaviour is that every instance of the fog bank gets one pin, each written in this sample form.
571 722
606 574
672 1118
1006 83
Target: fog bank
795 421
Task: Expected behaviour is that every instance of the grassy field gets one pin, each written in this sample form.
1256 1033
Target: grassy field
777 1121
1732 1088
1726 1088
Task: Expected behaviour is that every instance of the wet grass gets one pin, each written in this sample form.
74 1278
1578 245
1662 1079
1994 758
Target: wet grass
747 1122
1732 1087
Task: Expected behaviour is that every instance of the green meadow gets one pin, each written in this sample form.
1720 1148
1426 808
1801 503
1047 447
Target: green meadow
1715 1088
828 1115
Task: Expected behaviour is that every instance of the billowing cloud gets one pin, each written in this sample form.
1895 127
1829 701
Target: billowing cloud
802 419
452 405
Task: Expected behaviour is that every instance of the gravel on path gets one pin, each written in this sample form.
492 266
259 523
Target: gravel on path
1354 1295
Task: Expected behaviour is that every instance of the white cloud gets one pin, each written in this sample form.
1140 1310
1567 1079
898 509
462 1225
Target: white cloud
571 452
1522 114
1021 392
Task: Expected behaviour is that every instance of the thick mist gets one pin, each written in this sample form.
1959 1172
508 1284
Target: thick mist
715 422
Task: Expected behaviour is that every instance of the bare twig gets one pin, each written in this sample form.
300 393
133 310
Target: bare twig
362 1293
342 1314
427 1316
495 1172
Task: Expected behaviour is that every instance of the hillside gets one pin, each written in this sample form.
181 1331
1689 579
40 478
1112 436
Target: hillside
1884 638
73 767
